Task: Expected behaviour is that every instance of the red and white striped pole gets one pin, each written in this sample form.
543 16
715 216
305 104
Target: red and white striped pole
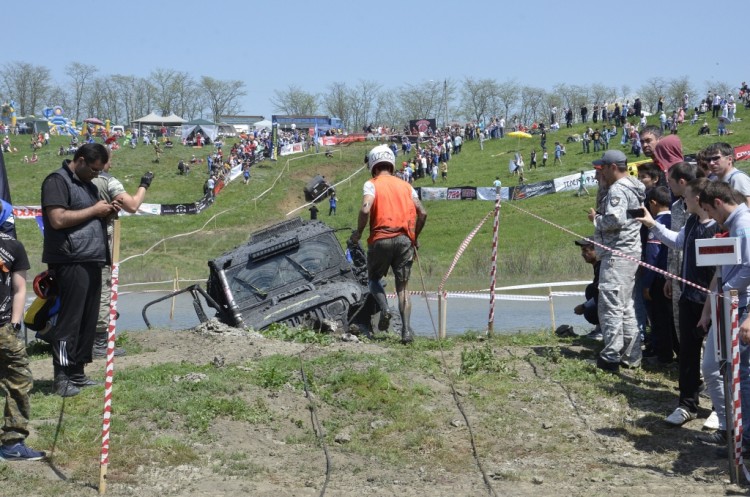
110 369
734 356
493 265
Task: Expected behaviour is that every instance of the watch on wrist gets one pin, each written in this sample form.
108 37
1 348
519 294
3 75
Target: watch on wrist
16 326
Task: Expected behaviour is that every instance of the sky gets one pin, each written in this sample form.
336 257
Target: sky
273 45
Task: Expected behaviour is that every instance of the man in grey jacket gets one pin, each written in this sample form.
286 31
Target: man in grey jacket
616 229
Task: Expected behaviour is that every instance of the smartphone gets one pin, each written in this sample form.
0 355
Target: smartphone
633 213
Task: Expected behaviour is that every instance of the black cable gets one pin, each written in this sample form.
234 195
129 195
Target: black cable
317 428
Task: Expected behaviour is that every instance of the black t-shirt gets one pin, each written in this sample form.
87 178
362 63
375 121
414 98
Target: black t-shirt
13 258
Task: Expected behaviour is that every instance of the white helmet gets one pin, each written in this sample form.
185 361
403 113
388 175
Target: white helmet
380 154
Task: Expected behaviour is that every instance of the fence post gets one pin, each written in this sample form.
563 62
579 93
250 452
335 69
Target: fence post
442 314
551 309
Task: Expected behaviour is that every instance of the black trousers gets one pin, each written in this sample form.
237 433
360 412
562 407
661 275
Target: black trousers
664 341
72 337
691 342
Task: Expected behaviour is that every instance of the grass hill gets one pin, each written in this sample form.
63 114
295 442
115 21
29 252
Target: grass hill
528 250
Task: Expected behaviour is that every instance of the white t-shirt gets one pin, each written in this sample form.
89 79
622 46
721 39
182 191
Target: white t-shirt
369 189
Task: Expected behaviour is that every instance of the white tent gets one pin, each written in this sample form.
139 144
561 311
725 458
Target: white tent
265 123
207 128
153 119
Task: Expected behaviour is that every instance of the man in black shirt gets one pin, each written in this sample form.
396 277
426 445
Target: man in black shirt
75 249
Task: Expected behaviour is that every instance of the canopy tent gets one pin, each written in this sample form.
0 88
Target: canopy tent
209 131
155 120
200 122
226 129
33 125
265 123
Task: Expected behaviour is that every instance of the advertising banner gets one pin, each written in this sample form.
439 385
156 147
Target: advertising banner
570 182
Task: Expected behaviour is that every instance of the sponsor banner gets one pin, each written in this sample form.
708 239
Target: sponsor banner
27 211
328 141
418 126
488 193
742 152
432 193
570 182
533 190
292 148
203 203
454 194
173 209
468 193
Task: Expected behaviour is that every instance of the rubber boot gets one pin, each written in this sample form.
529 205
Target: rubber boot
407 336
100 346
62 385
78 377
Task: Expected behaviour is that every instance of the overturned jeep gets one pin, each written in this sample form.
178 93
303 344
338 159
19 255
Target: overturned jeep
295 273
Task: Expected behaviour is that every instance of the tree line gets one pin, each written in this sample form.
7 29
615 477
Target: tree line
472 99
121 98
85 92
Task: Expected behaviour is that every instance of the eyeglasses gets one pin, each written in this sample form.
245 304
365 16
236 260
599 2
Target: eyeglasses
714 158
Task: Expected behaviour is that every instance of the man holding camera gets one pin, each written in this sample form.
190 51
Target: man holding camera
617 229
75 249
111 190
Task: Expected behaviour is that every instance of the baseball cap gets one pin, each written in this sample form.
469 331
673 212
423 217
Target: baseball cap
583 242
611 157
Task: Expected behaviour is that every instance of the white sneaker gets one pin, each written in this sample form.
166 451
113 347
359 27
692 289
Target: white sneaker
712 422
680 416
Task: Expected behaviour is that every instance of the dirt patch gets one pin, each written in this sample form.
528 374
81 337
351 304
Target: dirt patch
540 437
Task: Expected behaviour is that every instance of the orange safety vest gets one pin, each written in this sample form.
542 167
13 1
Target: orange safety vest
393 212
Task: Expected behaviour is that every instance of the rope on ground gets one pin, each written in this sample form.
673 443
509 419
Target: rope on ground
451 384
317 428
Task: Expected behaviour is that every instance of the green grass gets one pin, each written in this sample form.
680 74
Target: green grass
528 250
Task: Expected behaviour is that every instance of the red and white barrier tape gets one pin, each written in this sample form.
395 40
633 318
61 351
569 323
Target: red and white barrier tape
110 369
498 296
461 250
613 251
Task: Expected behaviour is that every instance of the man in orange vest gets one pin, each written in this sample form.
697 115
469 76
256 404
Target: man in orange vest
396 218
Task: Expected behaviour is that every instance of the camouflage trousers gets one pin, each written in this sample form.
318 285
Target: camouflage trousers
16 381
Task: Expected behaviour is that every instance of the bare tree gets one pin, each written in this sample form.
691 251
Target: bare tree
295 101
58 96
508 95
477 97
222 96
167 84
81 76
677 88
532 100
27 84
389 112
719 87
422 101
337 102
651 92
94 101
361 100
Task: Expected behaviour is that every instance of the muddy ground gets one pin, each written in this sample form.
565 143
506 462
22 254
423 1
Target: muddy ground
544 441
